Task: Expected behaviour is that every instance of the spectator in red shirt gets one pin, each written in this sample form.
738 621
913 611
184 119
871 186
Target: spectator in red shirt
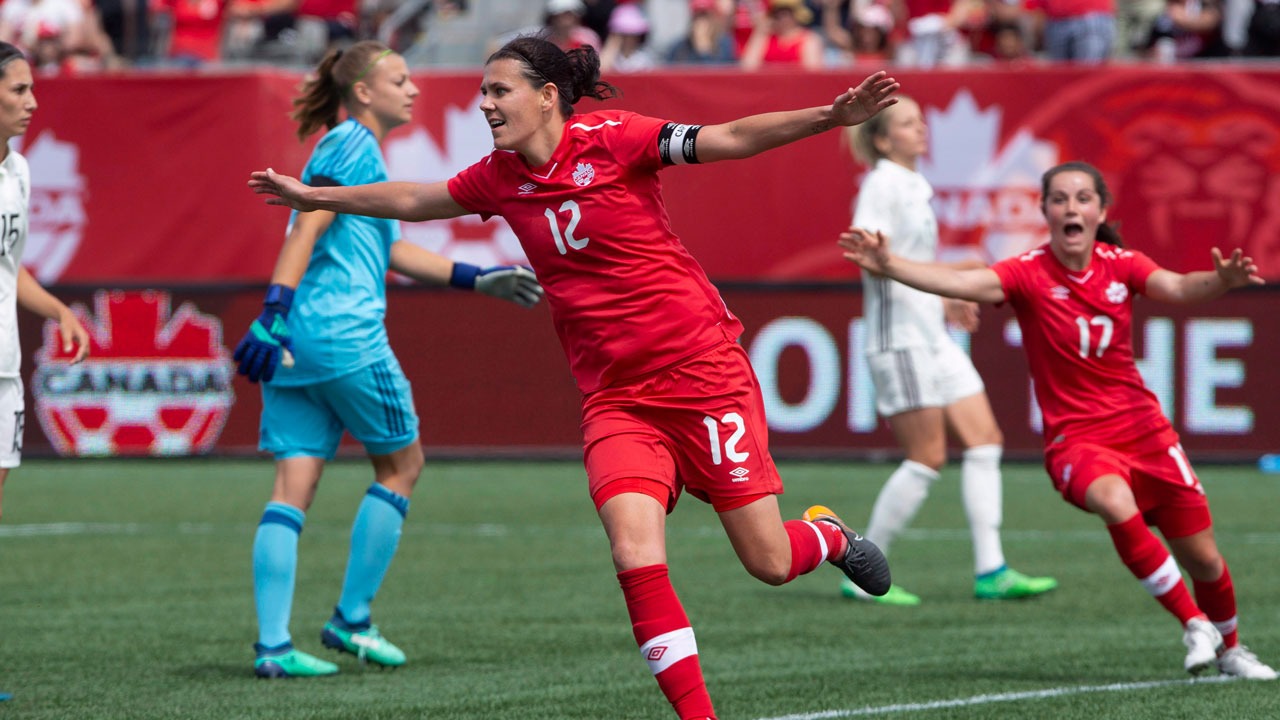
195 30
782 37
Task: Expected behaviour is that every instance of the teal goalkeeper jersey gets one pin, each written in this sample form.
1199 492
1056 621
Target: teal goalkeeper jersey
338 310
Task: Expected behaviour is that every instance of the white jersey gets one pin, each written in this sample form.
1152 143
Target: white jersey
15 194
895 201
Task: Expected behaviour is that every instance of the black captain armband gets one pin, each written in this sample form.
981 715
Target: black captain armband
676 144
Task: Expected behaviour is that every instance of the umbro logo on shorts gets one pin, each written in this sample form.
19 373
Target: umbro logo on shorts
740 474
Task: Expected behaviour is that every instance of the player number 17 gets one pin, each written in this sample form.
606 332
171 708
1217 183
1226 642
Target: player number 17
1085 334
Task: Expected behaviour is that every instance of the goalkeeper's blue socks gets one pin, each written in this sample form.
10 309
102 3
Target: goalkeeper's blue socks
374 538
275 567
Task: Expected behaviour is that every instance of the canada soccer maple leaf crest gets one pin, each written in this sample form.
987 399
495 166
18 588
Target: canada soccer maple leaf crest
155 383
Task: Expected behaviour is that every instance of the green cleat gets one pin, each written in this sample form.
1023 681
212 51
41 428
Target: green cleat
1009 584
895 596
367 644
290 663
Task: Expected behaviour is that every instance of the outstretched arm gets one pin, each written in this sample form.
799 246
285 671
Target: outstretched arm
1193 287
871 253
755 134
38 300
413 202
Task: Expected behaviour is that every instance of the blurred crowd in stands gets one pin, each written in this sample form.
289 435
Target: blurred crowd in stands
639 35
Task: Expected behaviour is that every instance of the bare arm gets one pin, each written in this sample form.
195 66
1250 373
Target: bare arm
421 265
1195 287
38 300
871 253
755 134
413 202
295 256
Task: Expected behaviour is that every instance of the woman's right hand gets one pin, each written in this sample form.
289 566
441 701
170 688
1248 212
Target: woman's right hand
288 191
870 252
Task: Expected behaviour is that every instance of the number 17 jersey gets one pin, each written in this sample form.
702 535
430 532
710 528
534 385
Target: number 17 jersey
1076 328
626 296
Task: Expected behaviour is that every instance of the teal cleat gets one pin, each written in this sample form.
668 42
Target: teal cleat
1009 584
368 644
288 662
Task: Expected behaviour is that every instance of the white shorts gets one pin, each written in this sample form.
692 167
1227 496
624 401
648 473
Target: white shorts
921 377
12 412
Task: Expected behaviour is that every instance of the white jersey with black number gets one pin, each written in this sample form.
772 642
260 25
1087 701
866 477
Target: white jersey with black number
15 194
895 201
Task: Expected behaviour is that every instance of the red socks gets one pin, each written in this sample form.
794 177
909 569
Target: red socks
1149 561
1218 598
812 543
666 640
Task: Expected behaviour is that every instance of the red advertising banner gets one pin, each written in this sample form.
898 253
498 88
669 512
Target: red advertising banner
142 178
490 378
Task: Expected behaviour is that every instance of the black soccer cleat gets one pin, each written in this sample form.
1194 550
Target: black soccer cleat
863 562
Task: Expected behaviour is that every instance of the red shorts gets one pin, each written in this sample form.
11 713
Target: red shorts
698 425
1167 490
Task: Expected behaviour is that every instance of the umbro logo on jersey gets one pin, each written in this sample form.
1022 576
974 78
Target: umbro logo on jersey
740 474
1060 292
1117 292
526 188
584 174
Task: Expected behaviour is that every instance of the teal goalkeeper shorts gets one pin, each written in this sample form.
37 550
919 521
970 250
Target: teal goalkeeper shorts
375 404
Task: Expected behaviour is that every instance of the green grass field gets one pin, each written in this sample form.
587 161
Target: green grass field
125 592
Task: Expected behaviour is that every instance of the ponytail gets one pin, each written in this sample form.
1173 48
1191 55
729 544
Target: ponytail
1110 234
324 93
576 73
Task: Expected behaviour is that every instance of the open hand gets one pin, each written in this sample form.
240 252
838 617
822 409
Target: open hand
1237 270
870 252
961 313
857 105
288 191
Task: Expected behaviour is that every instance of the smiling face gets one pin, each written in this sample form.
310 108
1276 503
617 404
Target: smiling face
17 99
388 92
513 107
1074 209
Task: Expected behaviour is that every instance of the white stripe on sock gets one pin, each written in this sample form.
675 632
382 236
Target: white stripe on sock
1226 626
1163 579
822 542
667 649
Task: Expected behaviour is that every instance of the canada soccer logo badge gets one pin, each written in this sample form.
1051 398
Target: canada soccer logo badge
155 383
584 174
1117 292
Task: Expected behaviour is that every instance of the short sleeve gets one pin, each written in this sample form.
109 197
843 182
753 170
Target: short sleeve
1012 274
1140 269
874 208
345 160
635 142
470 188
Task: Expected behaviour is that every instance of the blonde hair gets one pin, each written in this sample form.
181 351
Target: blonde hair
324 92
862 137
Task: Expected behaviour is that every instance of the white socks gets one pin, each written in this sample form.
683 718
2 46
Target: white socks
899 500
983 502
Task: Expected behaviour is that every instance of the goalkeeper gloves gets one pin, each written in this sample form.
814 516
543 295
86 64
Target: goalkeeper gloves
507 282
268 337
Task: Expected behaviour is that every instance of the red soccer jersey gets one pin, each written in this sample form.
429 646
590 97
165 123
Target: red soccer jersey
1076 328
626 296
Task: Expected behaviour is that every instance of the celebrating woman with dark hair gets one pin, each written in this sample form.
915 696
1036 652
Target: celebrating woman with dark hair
331 273
1109 449
669 398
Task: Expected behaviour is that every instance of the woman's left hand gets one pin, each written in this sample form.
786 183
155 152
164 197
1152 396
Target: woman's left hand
1237 270
961 313
857 105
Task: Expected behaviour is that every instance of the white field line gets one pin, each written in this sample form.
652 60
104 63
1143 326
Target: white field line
491 530
998 698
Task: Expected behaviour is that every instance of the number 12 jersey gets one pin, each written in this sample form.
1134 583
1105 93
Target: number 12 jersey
626 296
